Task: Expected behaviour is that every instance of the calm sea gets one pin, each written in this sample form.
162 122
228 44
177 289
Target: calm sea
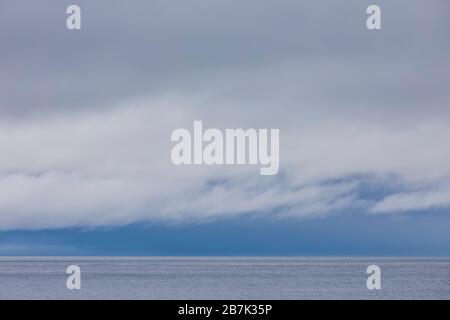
224 278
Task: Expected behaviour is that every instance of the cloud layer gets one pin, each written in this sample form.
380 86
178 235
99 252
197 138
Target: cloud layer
86 117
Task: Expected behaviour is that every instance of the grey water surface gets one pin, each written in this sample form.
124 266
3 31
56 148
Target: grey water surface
223 278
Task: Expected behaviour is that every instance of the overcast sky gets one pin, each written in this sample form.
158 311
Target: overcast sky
86 116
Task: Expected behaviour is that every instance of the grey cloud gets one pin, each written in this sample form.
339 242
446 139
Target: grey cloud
136 48
85 117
